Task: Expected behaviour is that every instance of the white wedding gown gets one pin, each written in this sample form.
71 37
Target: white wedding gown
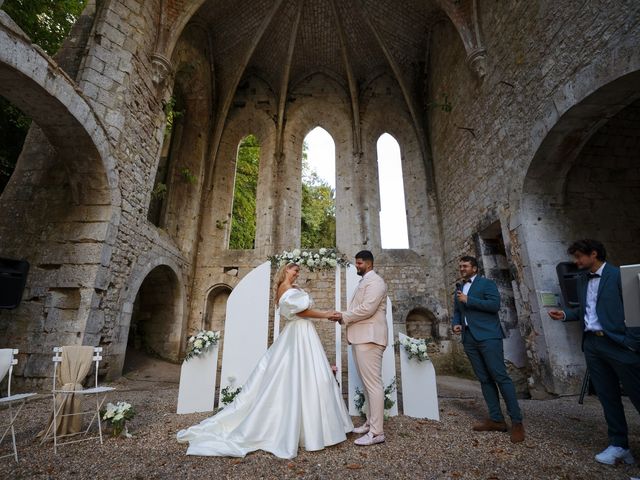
291 398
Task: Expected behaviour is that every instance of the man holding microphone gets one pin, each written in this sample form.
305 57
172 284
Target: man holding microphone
476 307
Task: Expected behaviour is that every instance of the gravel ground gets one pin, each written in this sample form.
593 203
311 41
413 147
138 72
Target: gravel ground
562 438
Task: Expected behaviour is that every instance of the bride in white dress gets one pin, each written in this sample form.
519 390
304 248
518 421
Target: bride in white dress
290 399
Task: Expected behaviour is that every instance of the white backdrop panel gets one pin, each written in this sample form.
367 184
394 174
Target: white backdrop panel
198 383
419 391
388 358
246 326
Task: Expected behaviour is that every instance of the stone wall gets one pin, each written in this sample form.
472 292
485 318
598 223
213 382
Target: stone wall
510 154
483 147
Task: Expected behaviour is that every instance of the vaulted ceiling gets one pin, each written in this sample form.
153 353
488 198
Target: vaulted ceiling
352 41
295 38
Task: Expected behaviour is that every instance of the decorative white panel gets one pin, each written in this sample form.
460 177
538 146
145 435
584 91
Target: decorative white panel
198 383
419 391
246 326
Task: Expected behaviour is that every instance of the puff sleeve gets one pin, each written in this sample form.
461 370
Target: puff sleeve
294 302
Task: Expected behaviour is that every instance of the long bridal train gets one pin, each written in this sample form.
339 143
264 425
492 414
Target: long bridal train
291 398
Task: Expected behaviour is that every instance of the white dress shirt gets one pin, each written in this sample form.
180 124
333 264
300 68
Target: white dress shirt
465 290
591 322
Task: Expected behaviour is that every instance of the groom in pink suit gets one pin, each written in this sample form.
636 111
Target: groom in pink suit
366 322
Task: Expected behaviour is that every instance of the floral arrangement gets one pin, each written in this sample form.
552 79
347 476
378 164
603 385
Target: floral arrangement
116 416
200 343
323 259
361 403
229 394
415 348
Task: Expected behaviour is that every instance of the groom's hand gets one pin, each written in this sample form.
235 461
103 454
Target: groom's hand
336 317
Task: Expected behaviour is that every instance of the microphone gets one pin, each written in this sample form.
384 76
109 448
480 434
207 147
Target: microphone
458 287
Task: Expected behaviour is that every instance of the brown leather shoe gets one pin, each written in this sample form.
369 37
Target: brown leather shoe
489 425
517 433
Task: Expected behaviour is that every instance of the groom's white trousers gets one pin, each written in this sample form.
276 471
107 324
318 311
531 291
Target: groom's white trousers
368 357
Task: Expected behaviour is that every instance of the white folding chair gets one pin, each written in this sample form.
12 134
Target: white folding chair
99 392
17 400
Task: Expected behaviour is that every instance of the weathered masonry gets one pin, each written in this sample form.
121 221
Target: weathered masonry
518 125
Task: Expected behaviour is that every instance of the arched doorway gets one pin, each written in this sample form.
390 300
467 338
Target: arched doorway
582 182
155 330
421 323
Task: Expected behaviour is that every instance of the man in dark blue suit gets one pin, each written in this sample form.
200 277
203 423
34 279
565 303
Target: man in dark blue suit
476 306
611 349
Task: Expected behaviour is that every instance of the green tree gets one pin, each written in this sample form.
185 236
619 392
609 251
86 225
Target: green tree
318 209
47 23
243 216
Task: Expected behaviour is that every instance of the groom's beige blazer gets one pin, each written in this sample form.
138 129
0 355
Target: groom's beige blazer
366 319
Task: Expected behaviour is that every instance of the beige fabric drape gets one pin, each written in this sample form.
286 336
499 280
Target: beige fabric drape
74 367
6 357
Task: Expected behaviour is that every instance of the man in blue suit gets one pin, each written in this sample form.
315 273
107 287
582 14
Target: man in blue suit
476 306
611 349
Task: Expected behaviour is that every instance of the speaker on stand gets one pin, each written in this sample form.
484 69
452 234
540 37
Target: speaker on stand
568 274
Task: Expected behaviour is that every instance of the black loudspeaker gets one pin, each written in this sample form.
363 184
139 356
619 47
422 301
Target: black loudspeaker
13 278
568 279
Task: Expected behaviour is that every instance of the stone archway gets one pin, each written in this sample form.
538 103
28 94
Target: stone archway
216 309
422 323
153 278
39 87
60 208
156 328
579 184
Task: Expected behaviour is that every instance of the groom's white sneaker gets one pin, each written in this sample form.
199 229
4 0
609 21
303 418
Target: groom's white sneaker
369 439
613 455
361 429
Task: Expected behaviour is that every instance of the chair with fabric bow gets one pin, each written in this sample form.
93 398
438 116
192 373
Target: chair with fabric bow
13 403
71 366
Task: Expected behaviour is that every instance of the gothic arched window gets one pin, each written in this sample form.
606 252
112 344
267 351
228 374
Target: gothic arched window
393 211
318 216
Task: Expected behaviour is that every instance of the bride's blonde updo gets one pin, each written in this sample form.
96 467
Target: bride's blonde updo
280 276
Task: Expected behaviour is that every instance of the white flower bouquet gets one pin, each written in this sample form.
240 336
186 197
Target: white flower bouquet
116 416
416 348
322 259
201 342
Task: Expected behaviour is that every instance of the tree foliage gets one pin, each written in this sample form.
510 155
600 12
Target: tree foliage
318 209
13 130
318 204
243 216
46 22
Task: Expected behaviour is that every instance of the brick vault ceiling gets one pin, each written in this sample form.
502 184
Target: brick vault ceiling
288 40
